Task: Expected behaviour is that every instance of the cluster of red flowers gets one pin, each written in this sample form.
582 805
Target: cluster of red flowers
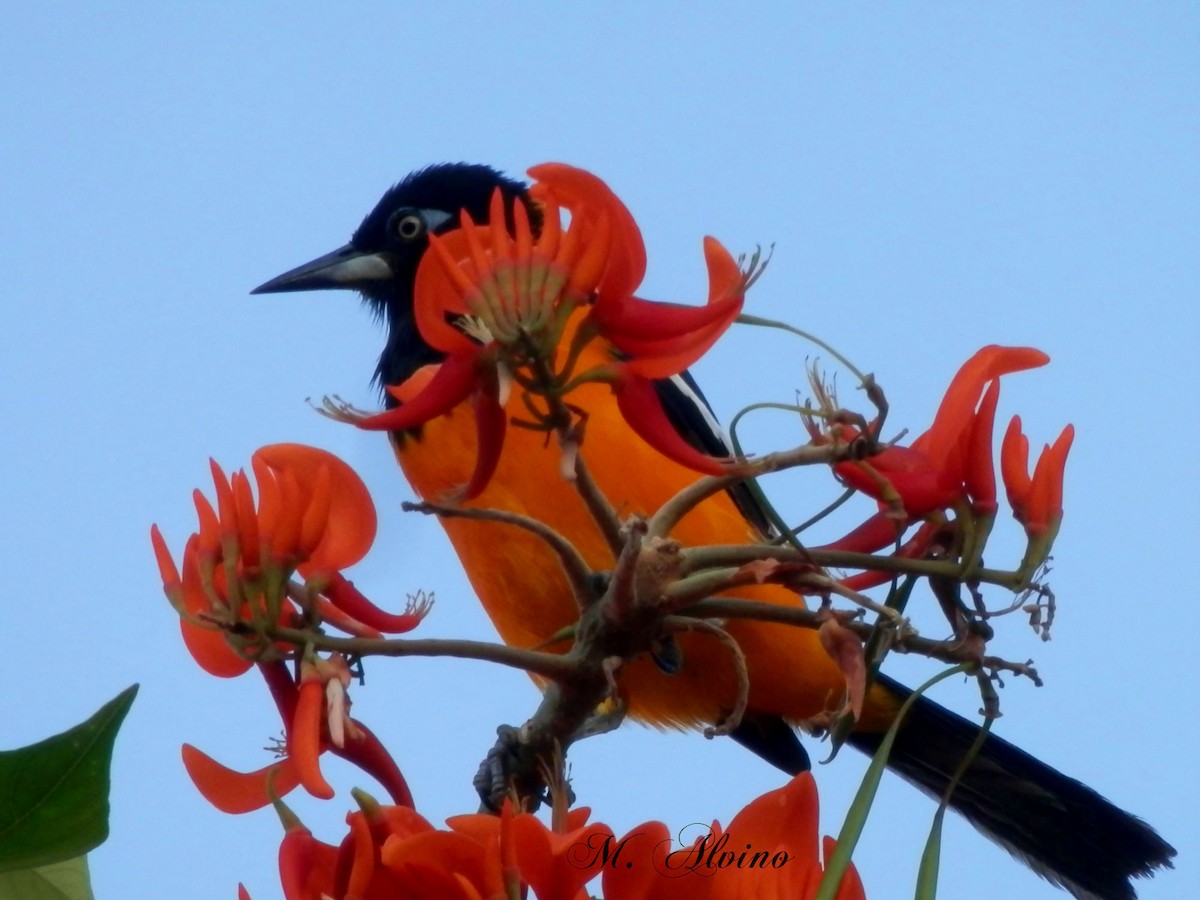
950 467
313 517
483 297
770 849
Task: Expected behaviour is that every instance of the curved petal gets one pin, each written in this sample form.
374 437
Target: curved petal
639 867
586 196
211 651
247 518
283 688
906 473
662 359
642 410
440 291
356 858
306 866
351 521
237 792
1014 468
207 646
1045 495
980 469
636 320
166 563
304 738
349 600
449 386
491 425
913 548
556 865
958 405
873 535
366 751
851 887
725 277
444 852
784 818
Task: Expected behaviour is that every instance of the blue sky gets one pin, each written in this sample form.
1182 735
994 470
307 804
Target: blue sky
933 178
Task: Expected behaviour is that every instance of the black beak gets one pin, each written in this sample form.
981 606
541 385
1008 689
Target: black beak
346 267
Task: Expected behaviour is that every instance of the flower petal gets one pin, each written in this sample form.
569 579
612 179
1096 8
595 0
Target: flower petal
347 598
958 405
556 865
365 750
491 425
980 467
351 521
851 887
582 192
207 645
664 358
784 818
304 738
642 410
450 385
1045 495
1014 468
237 792
440 290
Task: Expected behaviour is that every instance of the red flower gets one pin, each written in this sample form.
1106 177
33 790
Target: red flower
313 516
950 462
1036 502
497 304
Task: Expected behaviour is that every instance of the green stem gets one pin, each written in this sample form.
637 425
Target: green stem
746 319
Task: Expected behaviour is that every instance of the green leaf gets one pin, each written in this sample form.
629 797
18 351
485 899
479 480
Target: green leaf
856 816
58 881
927 874
54 794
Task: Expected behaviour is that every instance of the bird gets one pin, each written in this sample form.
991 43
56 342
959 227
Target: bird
1062 829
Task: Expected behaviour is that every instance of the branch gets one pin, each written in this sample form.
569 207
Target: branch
906 639
548 665
574 566
669 514
737 555
734 718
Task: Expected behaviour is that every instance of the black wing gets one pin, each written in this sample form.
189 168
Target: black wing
693 418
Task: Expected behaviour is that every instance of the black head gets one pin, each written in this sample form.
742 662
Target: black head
381 259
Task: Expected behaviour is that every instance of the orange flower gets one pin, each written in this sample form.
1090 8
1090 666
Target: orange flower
314 516
391 851
495 303
770 850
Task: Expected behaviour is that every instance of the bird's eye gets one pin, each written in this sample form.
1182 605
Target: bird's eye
407 225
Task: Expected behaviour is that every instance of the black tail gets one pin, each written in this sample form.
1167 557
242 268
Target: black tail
1061 829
